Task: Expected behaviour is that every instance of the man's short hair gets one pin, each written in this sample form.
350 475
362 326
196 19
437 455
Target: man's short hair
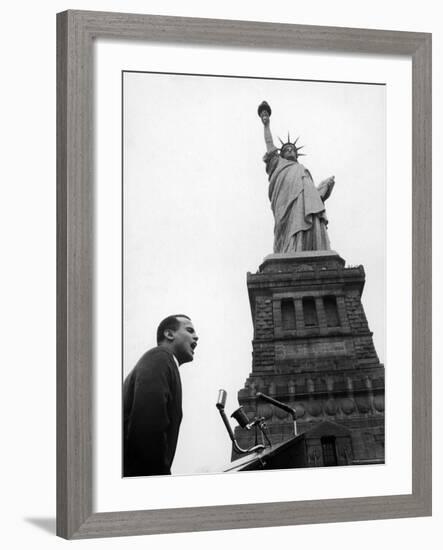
170 323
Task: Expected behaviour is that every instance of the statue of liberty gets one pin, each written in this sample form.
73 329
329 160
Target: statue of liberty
297 204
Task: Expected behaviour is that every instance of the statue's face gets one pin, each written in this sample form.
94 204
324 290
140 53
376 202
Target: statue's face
289 152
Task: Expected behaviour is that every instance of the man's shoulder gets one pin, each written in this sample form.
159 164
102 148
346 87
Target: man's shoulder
153 363
156 356
157 353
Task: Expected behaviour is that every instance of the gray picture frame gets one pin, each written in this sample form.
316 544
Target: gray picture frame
76 32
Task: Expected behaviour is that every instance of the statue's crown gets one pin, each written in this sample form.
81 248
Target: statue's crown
292 144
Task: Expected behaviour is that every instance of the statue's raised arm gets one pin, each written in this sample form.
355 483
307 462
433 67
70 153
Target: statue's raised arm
264 112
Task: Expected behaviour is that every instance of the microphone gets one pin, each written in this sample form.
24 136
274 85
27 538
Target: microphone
241 417
282 406
276 403
221 400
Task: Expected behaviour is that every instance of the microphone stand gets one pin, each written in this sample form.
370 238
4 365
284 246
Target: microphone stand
280 405
221 409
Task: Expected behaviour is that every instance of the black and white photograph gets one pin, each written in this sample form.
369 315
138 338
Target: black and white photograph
221 302
253 273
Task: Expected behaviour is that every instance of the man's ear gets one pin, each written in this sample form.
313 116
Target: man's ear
169 334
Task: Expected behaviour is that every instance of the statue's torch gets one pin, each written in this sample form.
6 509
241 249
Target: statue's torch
264 109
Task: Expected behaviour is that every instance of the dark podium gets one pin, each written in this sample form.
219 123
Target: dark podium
328 444
325 444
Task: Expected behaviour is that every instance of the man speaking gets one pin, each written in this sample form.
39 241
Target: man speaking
152 400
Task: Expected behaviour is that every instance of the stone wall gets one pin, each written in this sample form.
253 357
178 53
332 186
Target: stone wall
326 373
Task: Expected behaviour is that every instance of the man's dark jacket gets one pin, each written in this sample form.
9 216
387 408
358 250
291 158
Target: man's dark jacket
152 413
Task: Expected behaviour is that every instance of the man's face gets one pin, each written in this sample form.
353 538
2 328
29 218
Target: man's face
289 153
184 341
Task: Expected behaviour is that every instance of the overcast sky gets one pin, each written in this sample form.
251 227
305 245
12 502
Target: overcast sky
197 218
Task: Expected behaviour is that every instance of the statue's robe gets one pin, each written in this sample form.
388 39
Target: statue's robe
298 206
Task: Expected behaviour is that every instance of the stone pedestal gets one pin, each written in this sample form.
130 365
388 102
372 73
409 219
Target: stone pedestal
313 350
